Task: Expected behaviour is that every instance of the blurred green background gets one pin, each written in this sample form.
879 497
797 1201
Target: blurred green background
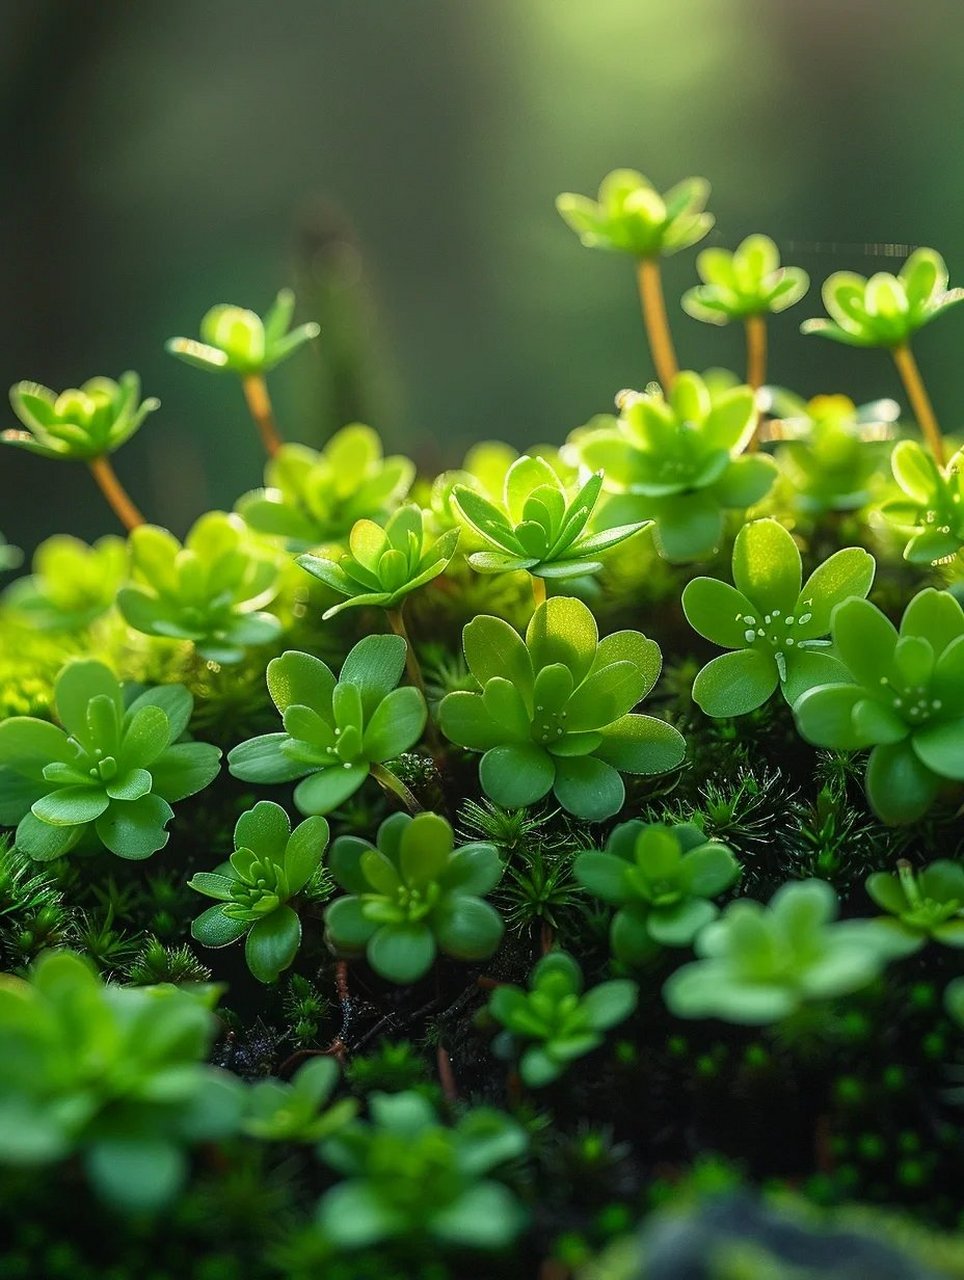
397 161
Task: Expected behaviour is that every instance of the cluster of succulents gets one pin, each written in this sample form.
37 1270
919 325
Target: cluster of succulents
565 942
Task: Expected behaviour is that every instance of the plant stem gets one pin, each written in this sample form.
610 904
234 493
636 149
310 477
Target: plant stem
756 364
538 590
396 620
259 405
657 325
919 400
446 1075
115 493
386 779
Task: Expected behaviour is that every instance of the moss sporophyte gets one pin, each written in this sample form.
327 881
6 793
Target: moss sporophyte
402 965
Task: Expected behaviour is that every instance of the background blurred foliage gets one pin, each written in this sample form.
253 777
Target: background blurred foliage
397 163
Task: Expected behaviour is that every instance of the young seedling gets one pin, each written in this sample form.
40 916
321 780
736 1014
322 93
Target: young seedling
211 591
630 216
270 866
114 1075
384 566
662 879
886 311
554 713
555 1019
904 698
337 731
677 461
775 628
240 342
921 906
746 285
111 773
932 510
84 424
313 497
760 964
539 526
408 1177
412 895
298 1111
72 584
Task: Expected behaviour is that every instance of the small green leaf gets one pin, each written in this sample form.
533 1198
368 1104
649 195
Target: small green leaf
515 776
212 928
766 566
468 928
494 648
602 874
402 953
563 630
396 725
718 611
185 769
348 927
326 790
375 665
135 830
610 1003
588 788
735 683
262 760
272 943
71 806
264 830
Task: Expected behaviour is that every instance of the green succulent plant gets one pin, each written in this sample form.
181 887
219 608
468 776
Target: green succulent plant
630 216
538 526
407 1176
833 453
383 566
555 1019
241 342
412 895
886 310
747 282
677 462
662 879
82 423
337 731
760 964
554 713
298 1111
932 510
115 1075
112 772
904 698
775 628
270 865
921 906
483 470
313 497
72 584
210 591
